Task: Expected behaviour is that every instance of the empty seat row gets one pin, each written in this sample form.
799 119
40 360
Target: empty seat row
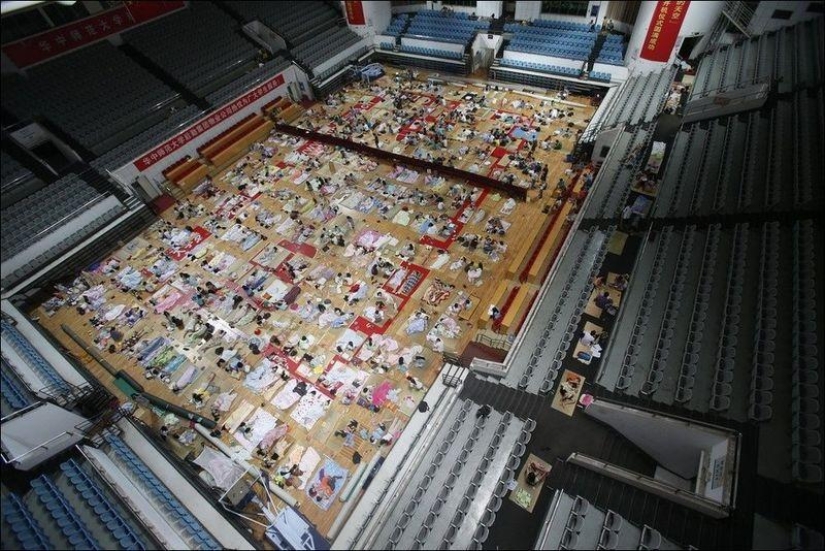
541 366
105 511
432 52
63 514
70 240
764 339
297 21
790 55
24 526
44 212
806 450
32 357
730 322
13 390
248 81
156 490
397 25
690 359
671 315
543 67
12 171
641 322
139 144
84 93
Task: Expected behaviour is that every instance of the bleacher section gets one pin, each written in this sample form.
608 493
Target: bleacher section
432 52
26 529
541 67
325 45
56 204
445 27
458 489
702 326
612 186
42 369
13 172
134 147
564 39
790 55
248 81
192 531
98 95
746 162
197 46
542 39
397 25
537 359
640 99
574 523
14 395
71 508
295 21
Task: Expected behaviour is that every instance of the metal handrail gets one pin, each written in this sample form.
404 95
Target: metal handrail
41 445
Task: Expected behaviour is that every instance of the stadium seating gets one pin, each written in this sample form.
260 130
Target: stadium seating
298 22
196 46
538 359
57 203
432 52
134 147
98 95
193 531
14 395
445 27
33 359
325 45
248 81
397 25
789 55
640 99
12 172
564 39
472 460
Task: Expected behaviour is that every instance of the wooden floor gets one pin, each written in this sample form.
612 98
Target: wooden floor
358 210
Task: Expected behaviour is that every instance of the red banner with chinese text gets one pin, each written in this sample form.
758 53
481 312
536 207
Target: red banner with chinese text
54 42
165 149
355 12
664 30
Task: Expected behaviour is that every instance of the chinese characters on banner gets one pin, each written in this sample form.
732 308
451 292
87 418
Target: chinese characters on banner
216 117
355 12
664 30
51 43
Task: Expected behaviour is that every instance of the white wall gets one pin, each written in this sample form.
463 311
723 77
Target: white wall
482 9
377 16
547 60
129 173
763 22
449 46
530 9
674 443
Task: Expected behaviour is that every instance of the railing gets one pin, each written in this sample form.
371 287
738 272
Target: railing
477 179
500 343
685 498
42 445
